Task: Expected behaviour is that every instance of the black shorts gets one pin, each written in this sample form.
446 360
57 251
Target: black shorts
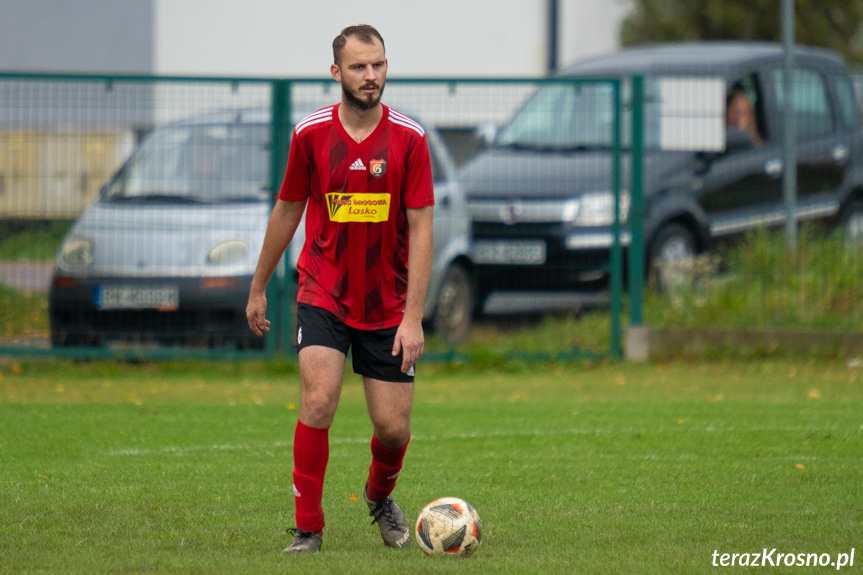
371 350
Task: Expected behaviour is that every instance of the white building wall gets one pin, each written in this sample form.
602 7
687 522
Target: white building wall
590 27
445 38
76 36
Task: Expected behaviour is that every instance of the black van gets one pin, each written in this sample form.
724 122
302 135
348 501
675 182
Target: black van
540 196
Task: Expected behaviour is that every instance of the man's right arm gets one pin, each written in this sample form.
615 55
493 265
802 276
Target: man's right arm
283 224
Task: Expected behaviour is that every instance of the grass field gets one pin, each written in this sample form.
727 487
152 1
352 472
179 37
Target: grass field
587 468
32 241
22 314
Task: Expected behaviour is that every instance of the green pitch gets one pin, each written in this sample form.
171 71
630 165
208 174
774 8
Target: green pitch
589 468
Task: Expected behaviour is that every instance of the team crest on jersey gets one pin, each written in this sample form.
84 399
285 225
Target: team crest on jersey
358 207
378 168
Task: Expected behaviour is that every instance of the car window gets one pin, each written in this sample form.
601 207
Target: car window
569 115
437 153
207 163
563 115
857 82
809 100
847 103
745 108
436 167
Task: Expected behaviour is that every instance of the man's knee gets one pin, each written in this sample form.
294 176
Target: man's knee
321 373
393 433
318 409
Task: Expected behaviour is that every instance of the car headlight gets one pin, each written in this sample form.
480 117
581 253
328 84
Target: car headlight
228 252
77 253
597 209
570 210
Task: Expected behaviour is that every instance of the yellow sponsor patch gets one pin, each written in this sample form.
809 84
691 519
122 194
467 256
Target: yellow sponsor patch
358 207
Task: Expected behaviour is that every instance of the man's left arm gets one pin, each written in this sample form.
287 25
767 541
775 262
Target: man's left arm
409 337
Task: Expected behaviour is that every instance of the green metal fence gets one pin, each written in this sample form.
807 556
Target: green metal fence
113 243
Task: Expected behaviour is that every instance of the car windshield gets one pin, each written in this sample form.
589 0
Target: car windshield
575 115
198 163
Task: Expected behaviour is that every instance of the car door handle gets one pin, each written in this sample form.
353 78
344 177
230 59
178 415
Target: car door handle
773 167
840 154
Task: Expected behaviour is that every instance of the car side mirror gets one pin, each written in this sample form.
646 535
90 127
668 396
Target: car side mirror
486 134
737 140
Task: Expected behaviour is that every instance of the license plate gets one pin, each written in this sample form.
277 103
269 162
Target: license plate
519 252
164 298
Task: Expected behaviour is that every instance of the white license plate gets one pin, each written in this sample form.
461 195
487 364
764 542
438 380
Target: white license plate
519 252
164 298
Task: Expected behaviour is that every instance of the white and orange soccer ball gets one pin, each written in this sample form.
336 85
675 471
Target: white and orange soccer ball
449 526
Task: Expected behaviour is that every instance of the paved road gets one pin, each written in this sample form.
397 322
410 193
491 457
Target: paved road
31 277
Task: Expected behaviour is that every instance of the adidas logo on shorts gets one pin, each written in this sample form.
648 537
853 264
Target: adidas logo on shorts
357 165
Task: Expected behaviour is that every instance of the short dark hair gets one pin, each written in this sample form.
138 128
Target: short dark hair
363 32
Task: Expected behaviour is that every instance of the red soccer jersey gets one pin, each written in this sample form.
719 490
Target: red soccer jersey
354 261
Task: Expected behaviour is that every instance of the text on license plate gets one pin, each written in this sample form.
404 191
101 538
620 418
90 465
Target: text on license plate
521 252
164 298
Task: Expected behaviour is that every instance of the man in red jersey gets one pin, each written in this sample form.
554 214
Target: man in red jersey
362 172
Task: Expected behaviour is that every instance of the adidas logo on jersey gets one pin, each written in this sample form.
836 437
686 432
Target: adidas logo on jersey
357 165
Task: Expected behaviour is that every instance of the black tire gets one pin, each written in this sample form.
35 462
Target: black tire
671 257
454 306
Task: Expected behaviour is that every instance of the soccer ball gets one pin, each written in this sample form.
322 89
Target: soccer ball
449 525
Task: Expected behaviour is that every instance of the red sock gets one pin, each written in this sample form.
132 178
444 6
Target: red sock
311 452
385 468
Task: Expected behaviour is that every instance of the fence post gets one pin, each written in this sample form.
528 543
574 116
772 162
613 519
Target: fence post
616 251
636 205
279 291
789 134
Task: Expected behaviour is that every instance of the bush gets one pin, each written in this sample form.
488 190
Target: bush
762 286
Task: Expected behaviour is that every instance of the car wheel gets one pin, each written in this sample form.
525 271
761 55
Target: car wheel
852 225
454 308
672 257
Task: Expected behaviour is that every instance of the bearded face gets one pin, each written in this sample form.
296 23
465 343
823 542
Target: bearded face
361 69
365 97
